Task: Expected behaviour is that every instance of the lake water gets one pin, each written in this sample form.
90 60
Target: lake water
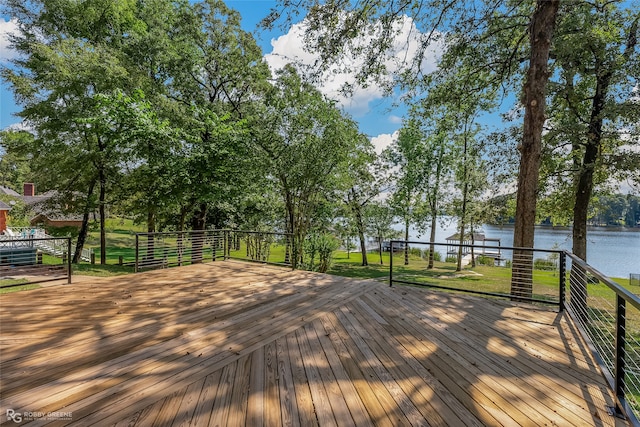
614 252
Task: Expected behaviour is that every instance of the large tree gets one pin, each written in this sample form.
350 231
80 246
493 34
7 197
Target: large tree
406 155
592 109
305 140
70 54
336 26
212 74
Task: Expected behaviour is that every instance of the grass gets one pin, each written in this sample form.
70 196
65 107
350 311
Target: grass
9 285
481 278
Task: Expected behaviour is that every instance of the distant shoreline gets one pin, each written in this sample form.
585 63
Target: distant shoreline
562 228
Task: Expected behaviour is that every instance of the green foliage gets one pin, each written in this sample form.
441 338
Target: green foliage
417 252
322 246
15 166
544 264
484 260
20 213
437 256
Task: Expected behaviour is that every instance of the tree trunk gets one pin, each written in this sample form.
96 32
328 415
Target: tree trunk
541 33
432 237
151 228
356 208
103 218
199 222
473 242
406 245
584 189
461 242
84 229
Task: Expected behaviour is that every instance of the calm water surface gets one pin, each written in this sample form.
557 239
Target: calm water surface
614 252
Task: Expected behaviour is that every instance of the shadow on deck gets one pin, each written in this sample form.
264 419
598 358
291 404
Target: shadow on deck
230 343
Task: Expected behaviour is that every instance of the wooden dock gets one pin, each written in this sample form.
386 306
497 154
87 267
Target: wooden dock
235 344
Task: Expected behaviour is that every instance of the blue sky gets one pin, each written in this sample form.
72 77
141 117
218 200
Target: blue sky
376 115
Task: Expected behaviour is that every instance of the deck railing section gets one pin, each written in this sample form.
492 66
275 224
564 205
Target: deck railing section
39 233
260 246
606 313
528 275
34 260
609 316
171 249
162 250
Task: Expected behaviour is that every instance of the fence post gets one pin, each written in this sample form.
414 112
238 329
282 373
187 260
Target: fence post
563 280
135 269
69 260
225 237
620 356
214 244
391 263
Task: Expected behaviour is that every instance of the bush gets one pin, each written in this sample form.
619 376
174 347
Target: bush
451 258
437 256
321 246
544 264
485 260
416 252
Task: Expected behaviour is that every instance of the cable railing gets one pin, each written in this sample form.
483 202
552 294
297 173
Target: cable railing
23 260
47 246
520 274
260 246
170 249
178 248
608 315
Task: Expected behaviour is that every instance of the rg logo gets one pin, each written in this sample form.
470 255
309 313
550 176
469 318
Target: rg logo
14 416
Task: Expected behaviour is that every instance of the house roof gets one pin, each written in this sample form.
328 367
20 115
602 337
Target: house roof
477 237
55 216
9 192
4 206
33 200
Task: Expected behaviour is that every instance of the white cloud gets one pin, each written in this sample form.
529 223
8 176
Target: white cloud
382 141
396 120
290 48
7 27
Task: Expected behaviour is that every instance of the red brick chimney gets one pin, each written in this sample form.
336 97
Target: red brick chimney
29 189
3 220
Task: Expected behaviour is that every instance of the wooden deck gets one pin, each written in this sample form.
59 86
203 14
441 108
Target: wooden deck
232 344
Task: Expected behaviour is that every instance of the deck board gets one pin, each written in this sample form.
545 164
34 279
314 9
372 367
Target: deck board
231 344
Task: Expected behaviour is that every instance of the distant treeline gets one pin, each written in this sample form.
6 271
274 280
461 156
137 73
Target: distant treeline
614 210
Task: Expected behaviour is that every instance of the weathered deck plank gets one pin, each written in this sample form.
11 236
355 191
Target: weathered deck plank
240 344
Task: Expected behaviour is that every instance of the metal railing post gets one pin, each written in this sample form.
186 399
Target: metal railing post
225 249
391 263
621 309
69 260
563 280
135 269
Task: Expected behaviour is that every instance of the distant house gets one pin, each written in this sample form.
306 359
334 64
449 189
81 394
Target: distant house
45 212
478 239
4 211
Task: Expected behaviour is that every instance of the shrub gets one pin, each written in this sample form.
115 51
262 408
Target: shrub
320 245
437 256
485 260
451 258
416 252
544 264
